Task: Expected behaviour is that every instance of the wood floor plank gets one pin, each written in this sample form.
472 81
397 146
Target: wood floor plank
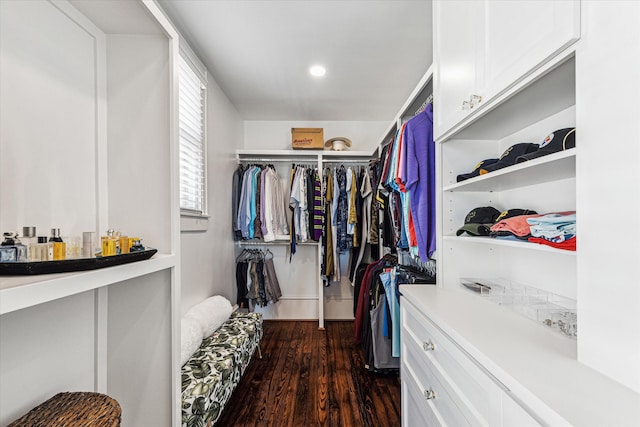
309 377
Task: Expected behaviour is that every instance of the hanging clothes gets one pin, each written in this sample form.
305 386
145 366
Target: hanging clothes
381 343
420 179
342 214
235 201
318 207
256 279
366 194
258 206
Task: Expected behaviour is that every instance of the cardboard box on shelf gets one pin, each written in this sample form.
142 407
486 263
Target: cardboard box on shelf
307 138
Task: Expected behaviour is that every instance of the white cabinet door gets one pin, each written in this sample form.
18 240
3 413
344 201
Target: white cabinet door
484 47
458 43
521 35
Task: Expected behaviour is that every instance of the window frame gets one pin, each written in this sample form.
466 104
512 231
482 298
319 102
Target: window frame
194 220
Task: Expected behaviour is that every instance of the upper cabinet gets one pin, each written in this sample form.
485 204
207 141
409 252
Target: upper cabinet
457 67
482 48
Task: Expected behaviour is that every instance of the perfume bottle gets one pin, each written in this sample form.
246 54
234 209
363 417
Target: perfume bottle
11 249
109 243
59 247
30 240
45 249
137 246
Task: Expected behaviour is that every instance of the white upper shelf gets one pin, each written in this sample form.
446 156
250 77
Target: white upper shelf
18 292
548 168
291 154
508 243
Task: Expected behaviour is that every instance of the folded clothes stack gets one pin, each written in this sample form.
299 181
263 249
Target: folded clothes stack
556 229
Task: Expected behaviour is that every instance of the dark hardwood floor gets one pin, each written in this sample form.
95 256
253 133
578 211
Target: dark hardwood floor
308 377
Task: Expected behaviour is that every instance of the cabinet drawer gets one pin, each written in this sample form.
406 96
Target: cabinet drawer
422 373
416 410
475 393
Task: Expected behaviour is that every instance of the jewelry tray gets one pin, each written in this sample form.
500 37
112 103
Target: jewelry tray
69 265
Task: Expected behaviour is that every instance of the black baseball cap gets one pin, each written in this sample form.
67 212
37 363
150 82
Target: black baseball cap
476 169
479 221
509 213
509 156
556 141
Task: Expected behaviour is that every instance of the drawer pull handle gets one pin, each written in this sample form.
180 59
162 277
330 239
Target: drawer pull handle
428 346
429 394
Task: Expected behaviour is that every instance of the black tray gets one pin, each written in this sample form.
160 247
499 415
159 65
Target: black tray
68 265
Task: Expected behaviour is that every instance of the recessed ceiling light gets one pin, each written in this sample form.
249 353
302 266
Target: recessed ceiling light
317 71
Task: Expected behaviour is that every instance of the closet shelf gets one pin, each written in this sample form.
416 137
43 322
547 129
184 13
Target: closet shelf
298 154
508 243
552 167
18 292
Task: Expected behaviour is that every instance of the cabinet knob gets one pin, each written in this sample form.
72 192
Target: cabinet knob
466 105
429 394
474 100
428 346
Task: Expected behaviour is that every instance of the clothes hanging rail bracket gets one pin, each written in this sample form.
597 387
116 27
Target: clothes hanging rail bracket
424 105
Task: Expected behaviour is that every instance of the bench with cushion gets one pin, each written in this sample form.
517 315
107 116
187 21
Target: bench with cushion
211 374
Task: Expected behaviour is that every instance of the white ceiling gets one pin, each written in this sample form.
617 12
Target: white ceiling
259 52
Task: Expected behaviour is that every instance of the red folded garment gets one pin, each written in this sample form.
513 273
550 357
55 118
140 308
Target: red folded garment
569 245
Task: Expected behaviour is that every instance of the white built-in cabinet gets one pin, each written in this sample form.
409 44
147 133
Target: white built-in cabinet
469 361
87 143
484 47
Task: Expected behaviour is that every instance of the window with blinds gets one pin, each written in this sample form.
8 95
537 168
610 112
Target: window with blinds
191 105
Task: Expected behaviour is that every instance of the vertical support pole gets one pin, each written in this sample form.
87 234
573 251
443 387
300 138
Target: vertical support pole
101 323
319 255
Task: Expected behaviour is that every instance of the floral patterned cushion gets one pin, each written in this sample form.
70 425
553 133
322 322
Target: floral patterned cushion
212 373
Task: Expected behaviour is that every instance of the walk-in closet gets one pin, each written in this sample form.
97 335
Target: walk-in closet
319 213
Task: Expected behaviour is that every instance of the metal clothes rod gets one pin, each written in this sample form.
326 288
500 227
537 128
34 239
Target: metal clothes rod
364 162
274 243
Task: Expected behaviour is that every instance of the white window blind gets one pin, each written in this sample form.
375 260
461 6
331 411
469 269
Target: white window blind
191 105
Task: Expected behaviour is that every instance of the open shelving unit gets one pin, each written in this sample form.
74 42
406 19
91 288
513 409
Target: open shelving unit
106 99
553 167
318 158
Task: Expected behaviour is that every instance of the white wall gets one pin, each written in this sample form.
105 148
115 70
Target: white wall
608 189
207 258
47 133
139 153
276 135
48 125
44 351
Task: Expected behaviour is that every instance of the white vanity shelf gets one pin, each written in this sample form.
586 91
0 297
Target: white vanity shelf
18 292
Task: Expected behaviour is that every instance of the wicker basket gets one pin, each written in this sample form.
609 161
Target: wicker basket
77 409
